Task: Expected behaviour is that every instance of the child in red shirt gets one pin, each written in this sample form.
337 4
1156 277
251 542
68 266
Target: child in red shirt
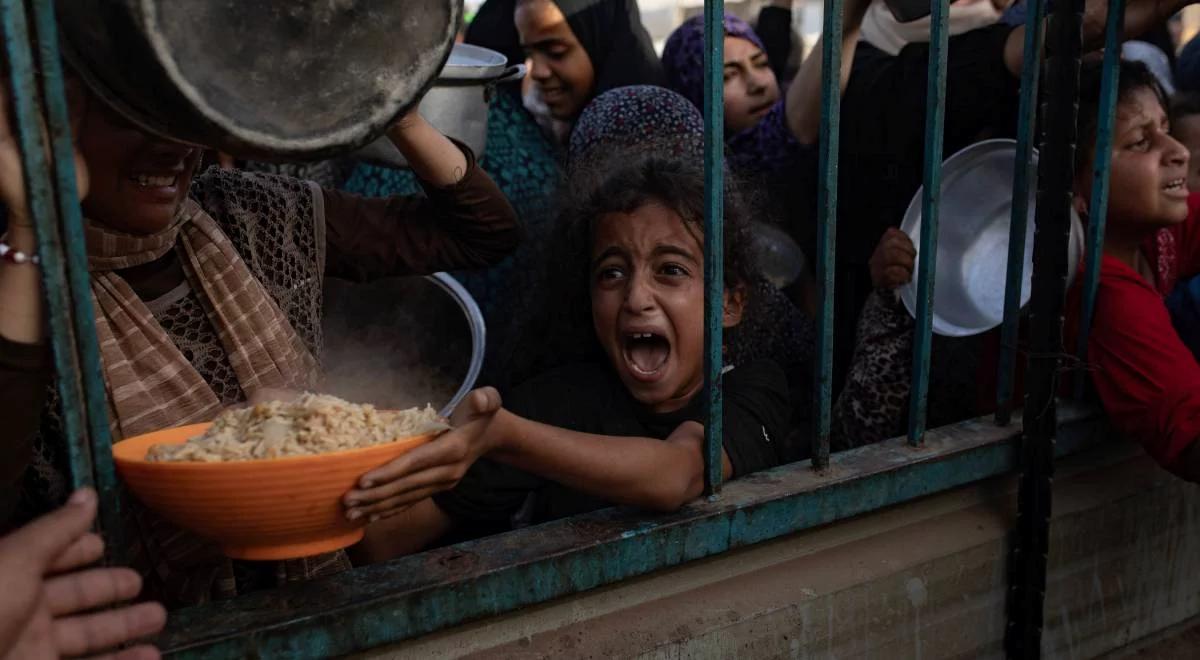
1146 377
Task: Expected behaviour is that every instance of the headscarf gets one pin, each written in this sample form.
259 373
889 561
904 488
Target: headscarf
881 29
767 147
683 56
642 117
612 33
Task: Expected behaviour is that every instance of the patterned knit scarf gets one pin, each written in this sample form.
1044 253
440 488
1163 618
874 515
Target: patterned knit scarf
151 385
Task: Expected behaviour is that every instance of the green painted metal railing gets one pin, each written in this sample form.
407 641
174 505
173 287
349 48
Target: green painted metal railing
1024 176
831 104
935 120
40 101
714 252
1098 206
41 112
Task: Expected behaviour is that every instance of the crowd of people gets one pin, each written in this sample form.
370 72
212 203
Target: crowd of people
580 231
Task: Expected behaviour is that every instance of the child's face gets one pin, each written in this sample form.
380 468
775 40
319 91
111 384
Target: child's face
1148 182
750 86
1186 129
647 286
559 65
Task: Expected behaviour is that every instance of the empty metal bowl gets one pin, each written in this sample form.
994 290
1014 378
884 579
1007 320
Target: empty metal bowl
974 218
780 260
457 104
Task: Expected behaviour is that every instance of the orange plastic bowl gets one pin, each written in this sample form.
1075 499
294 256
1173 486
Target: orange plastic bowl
279 508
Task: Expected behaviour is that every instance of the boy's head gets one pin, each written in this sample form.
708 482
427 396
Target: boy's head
1185 127
1149 168
642 221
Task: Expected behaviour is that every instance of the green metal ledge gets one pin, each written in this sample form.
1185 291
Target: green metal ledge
415 595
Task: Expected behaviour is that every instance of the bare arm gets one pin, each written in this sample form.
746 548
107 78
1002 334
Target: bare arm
655 474
804 95
432 157
20 284
1140 16
647 472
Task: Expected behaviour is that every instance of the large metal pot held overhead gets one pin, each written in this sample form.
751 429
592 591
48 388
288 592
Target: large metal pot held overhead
457 103
295 80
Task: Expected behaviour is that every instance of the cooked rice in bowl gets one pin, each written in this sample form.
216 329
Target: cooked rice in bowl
312 424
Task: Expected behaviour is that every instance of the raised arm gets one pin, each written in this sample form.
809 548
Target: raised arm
804 94
462 221
1140 16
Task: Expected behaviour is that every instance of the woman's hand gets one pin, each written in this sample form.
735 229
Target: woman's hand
20 284
46 596
433 467
12 178
893 261
433 157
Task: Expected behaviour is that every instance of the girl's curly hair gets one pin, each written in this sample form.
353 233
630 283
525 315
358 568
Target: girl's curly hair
621 182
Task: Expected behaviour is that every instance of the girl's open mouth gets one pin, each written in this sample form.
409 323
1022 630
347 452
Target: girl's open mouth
646 353
1176 186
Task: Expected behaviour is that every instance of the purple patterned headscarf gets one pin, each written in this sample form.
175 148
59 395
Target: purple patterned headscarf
639 117
769 145
683 56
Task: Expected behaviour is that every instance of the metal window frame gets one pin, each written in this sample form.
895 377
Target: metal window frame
387 603
414 595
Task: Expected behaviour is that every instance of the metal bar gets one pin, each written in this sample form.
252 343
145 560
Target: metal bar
714 252
1023 177
1098 205
419 594
831 109
58 124
39 188
1027 576
935 116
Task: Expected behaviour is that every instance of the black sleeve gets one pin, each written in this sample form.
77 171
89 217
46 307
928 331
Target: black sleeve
775 29
756 414
25 373
491 493
885 102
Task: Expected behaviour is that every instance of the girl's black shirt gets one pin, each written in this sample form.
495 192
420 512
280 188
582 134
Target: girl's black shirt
589 398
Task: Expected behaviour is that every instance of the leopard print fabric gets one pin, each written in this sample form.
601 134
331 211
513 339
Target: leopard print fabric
873 404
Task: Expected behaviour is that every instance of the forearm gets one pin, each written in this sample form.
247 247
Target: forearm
432 157
411 530
804 94
655 474
1140 17
21 318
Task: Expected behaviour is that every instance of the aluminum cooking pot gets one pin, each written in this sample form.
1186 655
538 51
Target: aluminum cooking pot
457 104
974 220
294 80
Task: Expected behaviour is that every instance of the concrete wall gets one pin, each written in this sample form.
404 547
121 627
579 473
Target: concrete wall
922 580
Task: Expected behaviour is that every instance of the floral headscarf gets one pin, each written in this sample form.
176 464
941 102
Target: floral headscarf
638 116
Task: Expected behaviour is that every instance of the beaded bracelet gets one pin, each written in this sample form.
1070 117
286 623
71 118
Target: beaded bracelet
13 256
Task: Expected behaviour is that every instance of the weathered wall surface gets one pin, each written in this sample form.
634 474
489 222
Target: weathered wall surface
921 580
